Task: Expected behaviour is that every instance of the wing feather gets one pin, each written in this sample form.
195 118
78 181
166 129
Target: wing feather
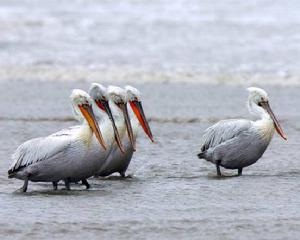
39 149
223 131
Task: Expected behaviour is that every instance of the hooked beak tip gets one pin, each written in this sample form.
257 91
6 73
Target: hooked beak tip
139 113
284 137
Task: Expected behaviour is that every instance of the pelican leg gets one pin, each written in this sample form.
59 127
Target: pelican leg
218 168
67 184
25 185
124 176
86 183
240 170
54 185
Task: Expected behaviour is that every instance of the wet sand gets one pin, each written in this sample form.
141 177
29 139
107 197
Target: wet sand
172 194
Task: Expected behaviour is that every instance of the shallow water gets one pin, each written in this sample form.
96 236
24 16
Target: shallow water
172 53
172 193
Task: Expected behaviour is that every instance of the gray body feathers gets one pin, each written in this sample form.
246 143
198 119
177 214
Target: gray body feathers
117 161
56 157
234 143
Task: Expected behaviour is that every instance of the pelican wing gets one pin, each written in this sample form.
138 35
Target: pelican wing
39 149
223 131
66 131
241 150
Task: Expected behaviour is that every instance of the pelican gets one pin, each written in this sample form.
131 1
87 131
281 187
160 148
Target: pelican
118 104
72 154
118 162
105 120
238 143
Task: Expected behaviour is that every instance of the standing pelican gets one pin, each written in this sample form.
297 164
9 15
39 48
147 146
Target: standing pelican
238 143
115 97
117 162
105 121
72 154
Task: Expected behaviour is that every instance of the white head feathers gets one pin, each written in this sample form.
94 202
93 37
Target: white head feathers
132 93
97 91
257 95
117 94
80 97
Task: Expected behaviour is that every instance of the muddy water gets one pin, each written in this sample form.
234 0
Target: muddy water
172 194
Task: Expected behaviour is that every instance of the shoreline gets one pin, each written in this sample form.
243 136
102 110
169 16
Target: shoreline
123 75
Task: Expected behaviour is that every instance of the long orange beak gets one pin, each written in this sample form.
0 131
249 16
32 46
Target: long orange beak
124 109
88 114
278 128
102 104
137 108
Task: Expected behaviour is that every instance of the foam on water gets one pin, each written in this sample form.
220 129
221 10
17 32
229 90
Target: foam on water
209 42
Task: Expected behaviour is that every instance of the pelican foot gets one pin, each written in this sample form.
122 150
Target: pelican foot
67 184
240 171
54 185
85 182
24 187
218 169
124 176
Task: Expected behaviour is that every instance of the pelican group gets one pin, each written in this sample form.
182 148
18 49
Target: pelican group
105 140
79 152
118 162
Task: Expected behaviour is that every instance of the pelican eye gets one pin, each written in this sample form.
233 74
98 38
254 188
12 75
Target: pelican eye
261 103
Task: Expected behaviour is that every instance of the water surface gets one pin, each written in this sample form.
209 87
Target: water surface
172 193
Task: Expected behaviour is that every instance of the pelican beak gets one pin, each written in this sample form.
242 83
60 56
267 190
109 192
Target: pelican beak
278 128
137 108
124 109
105 107
88 114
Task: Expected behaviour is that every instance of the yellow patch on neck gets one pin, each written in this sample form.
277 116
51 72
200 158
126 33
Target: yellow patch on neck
85 134
265 128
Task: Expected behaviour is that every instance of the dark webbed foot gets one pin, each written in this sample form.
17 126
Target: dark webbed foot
24 187
85 182
240 170
67 184
218 168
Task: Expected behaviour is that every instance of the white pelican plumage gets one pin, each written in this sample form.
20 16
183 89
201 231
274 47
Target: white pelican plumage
72 154
117 161
105 120
238 143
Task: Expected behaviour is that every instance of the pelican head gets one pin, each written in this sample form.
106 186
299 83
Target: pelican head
99 94
83 104
134 99
119 97
98 91
258 103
